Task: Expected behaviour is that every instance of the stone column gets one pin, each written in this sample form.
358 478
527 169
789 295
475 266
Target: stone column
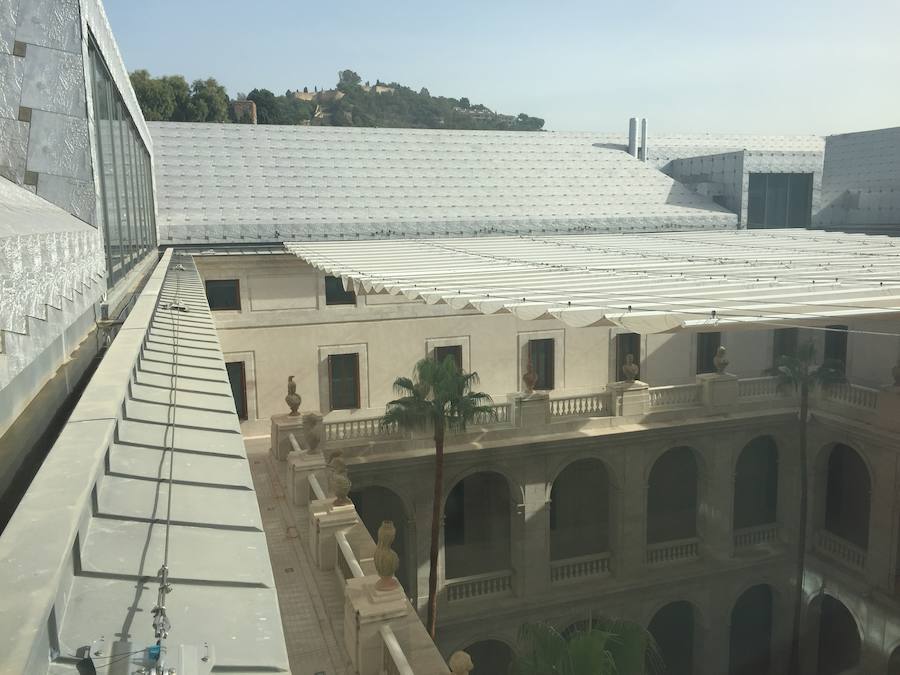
530 534
326 520
716 503
713 645
282 428
629 398
531 410
632 544
882 516
366 610
718 390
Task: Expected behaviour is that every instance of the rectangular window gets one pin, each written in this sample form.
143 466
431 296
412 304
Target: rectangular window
784 343
541 358
450 351
836 345
335 293
238 384
343 381
627 343
707 346
779 200
223 294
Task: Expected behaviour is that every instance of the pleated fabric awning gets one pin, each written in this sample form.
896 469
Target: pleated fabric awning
645 283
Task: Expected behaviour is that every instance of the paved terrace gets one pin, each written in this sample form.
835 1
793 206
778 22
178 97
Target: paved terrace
80 557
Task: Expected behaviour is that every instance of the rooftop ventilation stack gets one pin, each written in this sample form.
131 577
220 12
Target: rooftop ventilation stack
643 152
632 136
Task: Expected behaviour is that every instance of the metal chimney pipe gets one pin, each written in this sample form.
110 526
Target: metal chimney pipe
644 139
632 136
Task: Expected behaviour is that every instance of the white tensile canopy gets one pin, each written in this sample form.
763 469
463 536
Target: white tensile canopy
644 283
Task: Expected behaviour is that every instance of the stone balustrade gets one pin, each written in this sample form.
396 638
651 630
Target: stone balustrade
479 585
394 661
840 550
368 427
758 387
570 569
501 416
588 405
679 550
853 395
348 565
748 537
675 396
315 488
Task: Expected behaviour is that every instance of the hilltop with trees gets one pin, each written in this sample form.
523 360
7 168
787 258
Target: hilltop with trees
350 103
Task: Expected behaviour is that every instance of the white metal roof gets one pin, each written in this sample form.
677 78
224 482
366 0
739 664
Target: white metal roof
238 183
646 283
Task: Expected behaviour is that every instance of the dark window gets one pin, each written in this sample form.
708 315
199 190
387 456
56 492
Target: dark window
784 343
223 294
450 351
343 381
707 346
627 343
335 293
540 355
454 516
238 387
779 200
836 345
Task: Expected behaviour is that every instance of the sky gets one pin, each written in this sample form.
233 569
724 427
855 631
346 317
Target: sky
764 66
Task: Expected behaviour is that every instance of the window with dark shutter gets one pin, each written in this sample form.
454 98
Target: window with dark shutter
541 357
707 346
335 293
784 343
343 381
223 294
836 344
450 351
627 343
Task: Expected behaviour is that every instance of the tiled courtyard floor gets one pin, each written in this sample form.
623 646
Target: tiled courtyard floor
311 600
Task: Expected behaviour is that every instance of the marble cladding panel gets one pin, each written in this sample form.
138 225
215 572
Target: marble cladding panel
54 81
75 196
13 148
50 23
59 145
9 9
12 70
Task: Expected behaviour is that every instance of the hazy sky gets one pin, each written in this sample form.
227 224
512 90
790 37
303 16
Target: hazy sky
770 66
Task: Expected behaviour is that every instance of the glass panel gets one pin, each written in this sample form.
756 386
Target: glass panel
800 201
343 374
138 190
756 201
107 168
127 185
776 199
223 294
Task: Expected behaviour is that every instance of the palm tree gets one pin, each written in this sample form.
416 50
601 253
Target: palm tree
438 397
603 647
799 373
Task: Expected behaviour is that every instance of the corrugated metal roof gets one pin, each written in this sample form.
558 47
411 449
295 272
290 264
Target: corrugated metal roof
238 183
647 283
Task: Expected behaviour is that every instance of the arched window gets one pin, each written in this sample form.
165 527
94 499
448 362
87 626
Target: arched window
672 497
477 526
673 629
848 494
375 504
579 510
756 484
839 639
751 632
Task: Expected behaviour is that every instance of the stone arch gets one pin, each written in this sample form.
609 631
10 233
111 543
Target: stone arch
676 627
581 504
490 656
846 493
478 513
673 496
750 633
837 633
756 484
516 489
376 503
894 662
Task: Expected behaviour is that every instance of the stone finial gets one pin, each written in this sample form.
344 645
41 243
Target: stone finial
340 481
719 361
529 379
460 663
630 369
293 398
313 429
386 559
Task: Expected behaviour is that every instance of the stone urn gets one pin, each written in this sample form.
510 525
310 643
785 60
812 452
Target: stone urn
630 369
293 398
529 379
719 361
460 663
386 559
